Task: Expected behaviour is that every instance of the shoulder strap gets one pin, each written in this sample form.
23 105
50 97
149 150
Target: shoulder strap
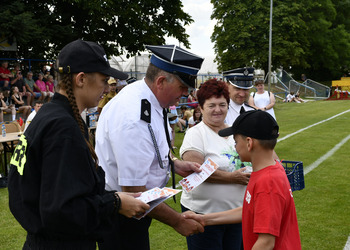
145 111
246 104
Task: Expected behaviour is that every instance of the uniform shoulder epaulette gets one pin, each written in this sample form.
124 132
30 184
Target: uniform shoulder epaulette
145 111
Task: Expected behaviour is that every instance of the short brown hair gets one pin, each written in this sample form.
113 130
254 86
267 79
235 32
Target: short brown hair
257 82
210 88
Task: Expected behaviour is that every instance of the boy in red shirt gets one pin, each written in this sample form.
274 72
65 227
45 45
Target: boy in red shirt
268 218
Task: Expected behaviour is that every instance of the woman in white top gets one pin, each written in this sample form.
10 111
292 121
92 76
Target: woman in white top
262 99
225 188
196 118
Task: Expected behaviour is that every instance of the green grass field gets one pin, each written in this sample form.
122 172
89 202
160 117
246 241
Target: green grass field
322 207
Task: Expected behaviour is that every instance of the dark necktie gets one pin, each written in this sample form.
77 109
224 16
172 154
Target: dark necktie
165 118
242 110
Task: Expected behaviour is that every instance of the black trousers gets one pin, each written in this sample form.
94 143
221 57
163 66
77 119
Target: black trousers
36 242
127 233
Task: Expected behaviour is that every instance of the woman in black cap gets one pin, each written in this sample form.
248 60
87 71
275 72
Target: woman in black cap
56 188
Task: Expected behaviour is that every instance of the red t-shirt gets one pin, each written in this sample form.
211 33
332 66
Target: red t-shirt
4 71
269 208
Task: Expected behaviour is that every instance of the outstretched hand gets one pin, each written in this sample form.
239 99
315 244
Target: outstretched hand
130 206
185 168
197 217
189 226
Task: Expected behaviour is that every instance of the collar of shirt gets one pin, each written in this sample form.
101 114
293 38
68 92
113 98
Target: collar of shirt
235 106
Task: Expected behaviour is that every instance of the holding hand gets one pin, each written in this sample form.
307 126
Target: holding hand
185 168
239 177
188 226
130 206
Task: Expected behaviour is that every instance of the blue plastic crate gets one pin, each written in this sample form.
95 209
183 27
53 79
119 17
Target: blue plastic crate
295 174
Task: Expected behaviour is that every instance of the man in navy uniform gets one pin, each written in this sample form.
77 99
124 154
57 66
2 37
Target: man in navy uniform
132 142
240 82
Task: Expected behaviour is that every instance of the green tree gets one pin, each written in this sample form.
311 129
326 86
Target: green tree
308 37
42 27
241 35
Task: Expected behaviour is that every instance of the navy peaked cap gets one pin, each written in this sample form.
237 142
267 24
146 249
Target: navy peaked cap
241 77
177 61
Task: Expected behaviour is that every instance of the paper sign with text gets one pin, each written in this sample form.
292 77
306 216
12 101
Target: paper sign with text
195 179
155 196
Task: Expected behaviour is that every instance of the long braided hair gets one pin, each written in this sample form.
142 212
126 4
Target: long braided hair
66 83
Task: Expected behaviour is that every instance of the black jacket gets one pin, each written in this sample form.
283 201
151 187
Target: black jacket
61 193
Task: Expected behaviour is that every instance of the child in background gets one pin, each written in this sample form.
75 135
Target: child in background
196 118
19 103
4 108
50 87
268 216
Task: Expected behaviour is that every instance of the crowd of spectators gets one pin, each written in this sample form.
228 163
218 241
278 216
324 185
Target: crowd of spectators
28 86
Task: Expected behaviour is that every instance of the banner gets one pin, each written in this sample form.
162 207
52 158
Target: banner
7 45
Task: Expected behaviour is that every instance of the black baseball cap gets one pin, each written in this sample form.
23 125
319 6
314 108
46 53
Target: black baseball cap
257 124
84 56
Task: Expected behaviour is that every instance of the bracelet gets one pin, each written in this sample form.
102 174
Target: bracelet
117 202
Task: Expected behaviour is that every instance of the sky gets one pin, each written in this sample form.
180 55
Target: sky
200 31
199 34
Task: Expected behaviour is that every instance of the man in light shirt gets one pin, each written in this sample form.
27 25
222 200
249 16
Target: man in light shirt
37 106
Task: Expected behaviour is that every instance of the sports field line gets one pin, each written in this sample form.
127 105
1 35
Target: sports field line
324 157
312 125
347 245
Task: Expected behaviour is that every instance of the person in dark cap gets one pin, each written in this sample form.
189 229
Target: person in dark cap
240 81
133 142
56 187
268 216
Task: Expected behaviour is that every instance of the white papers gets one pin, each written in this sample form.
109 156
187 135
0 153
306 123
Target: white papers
155 196
195 179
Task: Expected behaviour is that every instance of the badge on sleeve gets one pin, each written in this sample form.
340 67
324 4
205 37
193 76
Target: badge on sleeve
146 110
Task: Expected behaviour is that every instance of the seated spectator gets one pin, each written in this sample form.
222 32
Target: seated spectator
31 86
290 97
41 87
19 103
185 116
195 118
45 72
18 81
192 98
50 87
37 106
4 108
112 91
5 76
297 98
